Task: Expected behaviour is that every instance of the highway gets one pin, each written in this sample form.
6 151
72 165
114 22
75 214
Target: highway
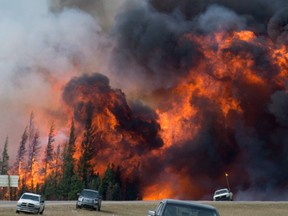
13 203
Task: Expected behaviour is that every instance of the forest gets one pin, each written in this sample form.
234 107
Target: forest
58 175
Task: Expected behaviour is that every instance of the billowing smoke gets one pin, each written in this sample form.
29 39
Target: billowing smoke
162 43
103 11
278 25
148 34
39 52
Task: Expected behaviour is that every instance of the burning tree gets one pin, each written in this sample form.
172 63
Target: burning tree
4 168
20 162
49 153
5 159
34 160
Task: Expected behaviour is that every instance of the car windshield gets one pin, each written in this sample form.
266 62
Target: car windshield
186 210
30 197
221 191
88 193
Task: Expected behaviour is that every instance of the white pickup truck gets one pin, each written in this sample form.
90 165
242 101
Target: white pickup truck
223 194
30 203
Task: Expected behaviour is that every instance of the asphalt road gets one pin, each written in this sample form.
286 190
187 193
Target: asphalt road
4 204
13 203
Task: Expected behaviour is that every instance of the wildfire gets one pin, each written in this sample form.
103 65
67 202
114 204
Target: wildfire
158 192
181 115
213 81
217 111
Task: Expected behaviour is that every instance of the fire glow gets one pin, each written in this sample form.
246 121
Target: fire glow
213 99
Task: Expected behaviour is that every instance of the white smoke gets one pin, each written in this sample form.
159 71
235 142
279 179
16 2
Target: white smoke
41 49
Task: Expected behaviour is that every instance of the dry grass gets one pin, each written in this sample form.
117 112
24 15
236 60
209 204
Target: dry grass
251 208
141 208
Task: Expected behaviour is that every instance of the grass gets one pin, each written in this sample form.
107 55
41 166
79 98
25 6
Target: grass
251 208
141 208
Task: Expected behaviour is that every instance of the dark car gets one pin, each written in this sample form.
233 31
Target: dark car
171 207
89 199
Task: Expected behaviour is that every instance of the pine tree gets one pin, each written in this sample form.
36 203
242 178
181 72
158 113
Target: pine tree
34 154
111 183
87 147
4 168
48 163
68 164
132 191
108 179
19 164
51 184
50 188
118 187
58 164
118 176
75 187
31 137
109 192
113 192
5 159
49 152
94 181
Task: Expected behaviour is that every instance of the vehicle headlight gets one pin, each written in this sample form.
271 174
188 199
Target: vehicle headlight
18 203
80 199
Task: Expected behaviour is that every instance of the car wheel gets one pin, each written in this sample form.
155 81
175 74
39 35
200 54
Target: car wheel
99 208
42 211
17 212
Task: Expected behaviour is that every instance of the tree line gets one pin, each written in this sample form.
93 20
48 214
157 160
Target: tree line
58 176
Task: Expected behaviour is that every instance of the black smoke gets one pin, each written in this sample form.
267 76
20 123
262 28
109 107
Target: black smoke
149 34
257 12
152 50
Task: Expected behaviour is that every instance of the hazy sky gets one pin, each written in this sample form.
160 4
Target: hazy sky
39 51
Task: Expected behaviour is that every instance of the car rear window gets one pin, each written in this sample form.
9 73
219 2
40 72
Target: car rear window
30 197
87 193
221 191
186 210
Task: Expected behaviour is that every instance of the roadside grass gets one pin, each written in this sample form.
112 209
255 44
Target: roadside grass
251 208
141 208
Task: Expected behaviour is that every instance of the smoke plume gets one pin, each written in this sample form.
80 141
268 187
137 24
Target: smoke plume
162 43
187 90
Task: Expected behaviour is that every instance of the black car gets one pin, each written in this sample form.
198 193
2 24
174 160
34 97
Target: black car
172 207
89 199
